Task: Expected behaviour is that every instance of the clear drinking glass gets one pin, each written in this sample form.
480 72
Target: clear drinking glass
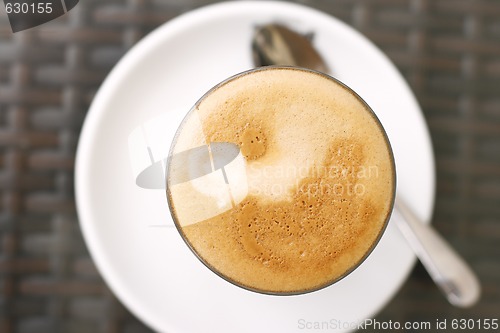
281 180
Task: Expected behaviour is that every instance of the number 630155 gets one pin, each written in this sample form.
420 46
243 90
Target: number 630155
28 8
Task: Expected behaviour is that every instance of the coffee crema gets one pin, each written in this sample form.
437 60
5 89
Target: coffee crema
307 197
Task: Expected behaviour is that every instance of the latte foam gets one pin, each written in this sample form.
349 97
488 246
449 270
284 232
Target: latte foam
308 197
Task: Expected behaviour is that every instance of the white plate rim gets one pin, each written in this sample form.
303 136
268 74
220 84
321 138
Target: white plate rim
106 91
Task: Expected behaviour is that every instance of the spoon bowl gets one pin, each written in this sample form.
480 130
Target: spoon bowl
275 44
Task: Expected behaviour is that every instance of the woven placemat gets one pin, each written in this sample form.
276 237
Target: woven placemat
449 51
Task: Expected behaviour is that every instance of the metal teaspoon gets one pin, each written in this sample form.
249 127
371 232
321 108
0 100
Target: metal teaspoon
275 44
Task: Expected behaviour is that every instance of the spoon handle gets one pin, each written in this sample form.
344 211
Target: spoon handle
448 270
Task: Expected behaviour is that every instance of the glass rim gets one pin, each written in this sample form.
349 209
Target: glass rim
380 233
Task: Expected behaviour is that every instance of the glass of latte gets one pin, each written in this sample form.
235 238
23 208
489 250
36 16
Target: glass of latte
281 180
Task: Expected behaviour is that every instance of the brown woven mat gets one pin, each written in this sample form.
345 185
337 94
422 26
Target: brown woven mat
449 51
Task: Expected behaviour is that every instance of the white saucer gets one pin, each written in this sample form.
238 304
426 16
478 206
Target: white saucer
126 227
